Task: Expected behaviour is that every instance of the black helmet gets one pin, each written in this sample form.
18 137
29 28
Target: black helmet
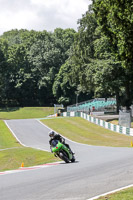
51 134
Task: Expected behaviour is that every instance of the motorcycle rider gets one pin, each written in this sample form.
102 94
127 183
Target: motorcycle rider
55 136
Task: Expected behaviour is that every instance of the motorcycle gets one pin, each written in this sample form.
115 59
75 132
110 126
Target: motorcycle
62 151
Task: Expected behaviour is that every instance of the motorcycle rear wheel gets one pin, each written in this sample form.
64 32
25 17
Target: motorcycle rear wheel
64 157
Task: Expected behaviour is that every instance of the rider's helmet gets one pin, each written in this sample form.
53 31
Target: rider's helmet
51 134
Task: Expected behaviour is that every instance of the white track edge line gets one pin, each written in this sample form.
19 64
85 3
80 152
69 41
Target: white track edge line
62 135
39 120
14 134
20 141
10 148
111 192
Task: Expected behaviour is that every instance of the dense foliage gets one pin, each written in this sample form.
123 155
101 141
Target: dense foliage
101 58
42 68
115 18
29 61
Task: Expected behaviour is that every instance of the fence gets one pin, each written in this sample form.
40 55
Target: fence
102 123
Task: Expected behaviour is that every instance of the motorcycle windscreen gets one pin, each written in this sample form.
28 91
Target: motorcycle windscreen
54 143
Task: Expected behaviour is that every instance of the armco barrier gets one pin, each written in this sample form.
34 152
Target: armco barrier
107 125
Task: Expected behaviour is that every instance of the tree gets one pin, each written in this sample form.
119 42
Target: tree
32 60
93 69
82 56
116 21
62 88
3 70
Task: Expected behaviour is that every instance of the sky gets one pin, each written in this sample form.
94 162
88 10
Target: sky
41 15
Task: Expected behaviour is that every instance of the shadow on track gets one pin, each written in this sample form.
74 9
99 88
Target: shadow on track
69 162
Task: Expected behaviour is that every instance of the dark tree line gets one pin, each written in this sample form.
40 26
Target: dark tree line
29 62
42 68
101 59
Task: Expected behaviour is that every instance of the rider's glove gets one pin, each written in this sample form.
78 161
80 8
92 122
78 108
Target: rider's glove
63 140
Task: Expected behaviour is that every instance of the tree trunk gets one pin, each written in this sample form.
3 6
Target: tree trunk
128 100
117 102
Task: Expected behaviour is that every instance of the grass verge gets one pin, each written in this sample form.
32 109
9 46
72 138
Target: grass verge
13 157
25 113
126 194
6 138
80 130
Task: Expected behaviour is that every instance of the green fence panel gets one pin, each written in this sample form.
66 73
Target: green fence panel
128 131
120 129
68 114
85 116
109 126
77 114
98 121
94 120
103 123
114 127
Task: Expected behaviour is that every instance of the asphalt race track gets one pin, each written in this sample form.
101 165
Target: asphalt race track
97 170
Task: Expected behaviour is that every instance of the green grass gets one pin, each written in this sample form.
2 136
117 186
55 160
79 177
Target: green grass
6 138
122 195
12 158
26 112
80 130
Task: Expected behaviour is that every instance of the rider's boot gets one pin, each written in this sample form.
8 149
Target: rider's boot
71 151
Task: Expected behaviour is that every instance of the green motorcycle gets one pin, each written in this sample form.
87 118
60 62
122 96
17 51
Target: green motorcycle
62 151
